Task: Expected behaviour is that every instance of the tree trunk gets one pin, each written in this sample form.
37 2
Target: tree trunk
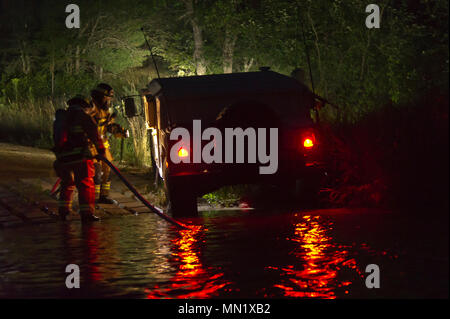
366 51
52 72
198 51
27 57
323 81
363 59
248 64
77 60
200 64
228 51
141 144
68 61
24 57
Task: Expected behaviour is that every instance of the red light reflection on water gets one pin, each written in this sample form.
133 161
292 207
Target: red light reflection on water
92 243
321 260
192 280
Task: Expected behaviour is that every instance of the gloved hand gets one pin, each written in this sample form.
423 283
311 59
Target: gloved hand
117 130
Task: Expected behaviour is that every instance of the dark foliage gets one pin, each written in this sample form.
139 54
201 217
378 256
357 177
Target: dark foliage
395 156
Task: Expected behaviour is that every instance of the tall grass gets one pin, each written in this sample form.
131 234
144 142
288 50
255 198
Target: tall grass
139 142
29 122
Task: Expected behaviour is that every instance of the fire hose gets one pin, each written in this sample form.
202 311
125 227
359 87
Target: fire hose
152 208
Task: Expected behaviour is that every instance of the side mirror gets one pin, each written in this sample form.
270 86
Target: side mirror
130 107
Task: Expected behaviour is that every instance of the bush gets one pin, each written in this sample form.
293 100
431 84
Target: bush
396 156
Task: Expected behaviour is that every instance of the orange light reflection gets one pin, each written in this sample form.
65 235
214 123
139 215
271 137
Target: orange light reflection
321 260
192 280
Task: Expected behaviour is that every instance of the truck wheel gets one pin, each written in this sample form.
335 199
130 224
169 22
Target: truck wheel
181 198
308 190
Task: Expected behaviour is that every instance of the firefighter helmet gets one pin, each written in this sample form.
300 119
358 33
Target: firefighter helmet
79 100
104 89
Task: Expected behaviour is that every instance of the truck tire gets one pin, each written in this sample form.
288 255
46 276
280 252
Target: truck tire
308 189
181 198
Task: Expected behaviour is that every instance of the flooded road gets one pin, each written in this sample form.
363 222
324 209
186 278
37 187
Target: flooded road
232 254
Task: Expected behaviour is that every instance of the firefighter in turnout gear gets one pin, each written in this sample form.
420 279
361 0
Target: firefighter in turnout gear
101 101
76 143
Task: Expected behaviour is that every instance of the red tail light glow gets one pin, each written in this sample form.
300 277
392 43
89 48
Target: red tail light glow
308 143
182 152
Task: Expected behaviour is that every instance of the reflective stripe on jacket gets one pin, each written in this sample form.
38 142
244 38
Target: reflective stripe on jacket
103 119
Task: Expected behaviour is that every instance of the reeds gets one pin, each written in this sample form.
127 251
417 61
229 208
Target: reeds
29 122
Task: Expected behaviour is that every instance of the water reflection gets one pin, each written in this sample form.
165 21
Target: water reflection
90 236
316 276
142 256
192 279
93 249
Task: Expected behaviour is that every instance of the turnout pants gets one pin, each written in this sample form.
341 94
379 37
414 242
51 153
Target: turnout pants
102 177
78 175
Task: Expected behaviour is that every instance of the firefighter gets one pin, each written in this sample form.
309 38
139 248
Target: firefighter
75 164
101 101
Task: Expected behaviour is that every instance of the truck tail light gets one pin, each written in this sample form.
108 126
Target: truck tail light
183 152
308 142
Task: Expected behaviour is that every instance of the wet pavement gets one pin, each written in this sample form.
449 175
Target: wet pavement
232 254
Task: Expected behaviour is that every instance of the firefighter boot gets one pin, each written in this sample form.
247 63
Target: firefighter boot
64 209
106 200
104 194
87 217
63 213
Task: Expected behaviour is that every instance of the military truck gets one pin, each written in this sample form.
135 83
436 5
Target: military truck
259 100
